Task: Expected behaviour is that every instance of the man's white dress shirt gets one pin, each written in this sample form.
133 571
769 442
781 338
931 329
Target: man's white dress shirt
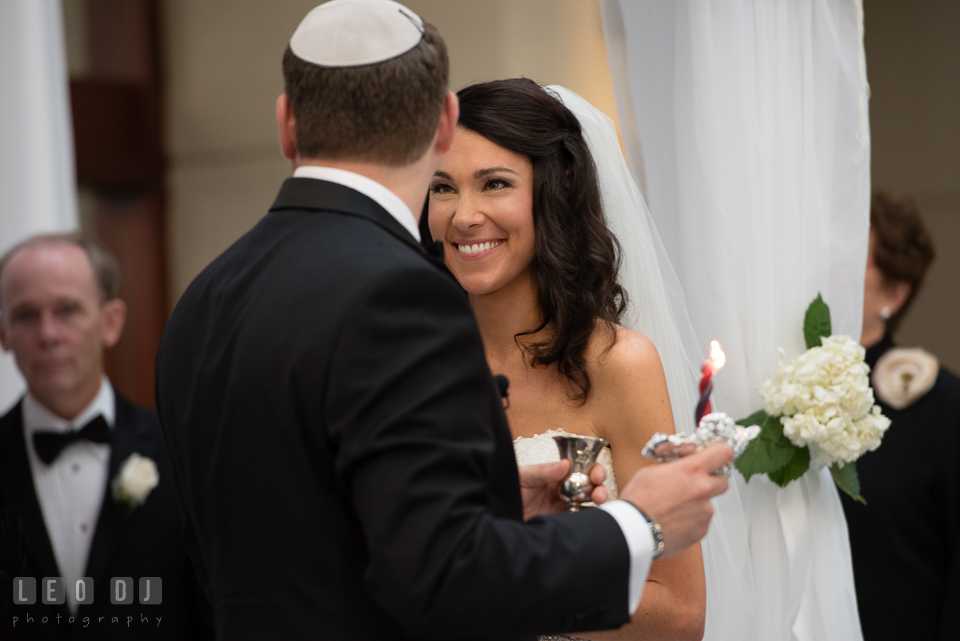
635 528
70 490
370 188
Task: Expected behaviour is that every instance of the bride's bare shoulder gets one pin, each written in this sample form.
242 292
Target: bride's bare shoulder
629 397
617 353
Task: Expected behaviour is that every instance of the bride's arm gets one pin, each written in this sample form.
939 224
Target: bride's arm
628 403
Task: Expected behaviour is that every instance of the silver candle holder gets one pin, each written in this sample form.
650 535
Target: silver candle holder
714 428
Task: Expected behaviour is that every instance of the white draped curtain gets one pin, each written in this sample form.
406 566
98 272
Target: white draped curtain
37 179
745 123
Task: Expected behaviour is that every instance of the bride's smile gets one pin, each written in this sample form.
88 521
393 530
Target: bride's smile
481 207
472 250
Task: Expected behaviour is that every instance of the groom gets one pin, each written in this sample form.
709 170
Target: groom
338 441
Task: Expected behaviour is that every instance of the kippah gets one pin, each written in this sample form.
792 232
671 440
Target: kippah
351 33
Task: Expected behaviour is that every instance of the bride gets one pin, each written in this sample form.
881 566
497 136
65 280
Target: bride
517 205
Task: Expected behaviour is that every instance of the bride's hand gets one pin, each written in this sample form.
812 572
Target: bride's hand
540 487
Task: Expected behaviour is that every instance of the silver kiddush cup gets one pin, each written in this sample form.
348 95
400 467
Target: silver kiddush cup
583 452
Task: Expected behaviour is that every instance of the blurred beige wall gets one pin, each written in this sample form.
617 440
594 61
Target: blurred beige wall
913 65
223 77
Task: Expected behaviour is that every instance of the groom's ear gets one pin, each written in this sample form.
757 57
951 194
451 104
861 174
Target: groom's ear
447 127
287 126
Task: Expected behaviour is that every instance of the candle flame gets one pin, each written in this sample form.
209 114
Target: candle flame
717 357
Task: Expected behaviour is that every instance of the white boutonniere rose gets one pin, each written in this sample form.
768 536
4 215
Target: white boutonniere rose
137 477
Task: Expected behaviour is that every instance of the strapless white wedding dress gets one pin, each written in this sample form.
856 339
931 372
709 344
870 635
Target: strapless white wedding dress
541 448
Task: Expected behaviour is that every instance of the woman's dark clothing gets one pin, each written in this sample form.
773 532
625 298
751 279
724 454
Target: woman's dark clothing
906 540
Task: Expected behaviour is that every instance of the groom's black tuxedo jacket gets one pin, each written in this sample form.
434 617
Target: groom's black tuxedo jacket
342 451
144 543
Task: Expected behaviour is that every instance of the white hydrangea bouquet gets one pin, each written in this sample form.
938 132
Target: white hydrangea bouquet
818 407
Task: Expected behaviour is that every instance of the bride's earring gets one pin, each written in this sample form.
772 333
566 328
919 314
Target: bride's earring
885 313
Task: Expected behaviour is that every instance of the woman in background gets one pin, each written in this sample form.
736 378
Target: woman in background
518 208
906 540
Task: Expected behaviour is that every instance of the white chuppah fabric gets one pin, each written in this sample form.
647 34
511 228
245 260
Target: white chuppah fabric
746 124
37 180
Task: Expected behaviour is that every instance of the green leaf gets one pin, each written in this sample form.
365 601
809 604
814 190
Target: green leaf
847 480
757 418
816 322
767 453
795 467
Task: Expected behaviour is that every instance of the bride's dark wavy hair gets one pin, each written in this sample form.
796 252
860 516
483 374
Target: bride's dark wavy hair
577 257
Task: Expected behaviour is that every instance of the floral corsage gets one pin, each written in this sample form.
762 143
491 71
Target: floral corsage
904 375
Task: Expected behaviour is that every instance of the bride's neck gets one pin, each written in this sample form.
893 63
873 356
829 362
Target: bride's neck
503 313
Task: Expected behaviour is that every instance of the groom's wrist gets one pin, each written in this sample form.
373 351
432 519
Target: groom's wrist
640 544
655 530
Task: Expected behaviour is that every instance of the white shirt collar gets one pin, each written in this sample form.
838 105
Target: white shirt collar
371 188
38 417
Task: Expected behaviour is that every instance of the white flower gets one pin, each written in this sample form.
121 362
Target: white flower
136 479
824 397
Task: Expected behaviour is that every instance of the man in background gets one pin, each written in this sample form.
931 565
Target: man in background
86 490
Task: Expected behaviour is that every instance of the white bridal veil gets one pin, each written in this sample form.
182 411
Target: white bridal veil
746 120
657 310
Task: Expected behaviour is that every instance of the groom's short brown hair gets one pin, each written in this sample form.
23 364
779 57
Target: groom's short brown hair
385 113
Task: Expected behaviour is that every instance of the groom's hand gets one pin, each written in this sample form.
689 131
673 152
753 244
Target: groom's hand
677 495
540 487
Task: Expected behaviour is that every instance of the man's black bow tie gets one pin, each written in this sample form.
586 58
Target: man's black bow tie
48 445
